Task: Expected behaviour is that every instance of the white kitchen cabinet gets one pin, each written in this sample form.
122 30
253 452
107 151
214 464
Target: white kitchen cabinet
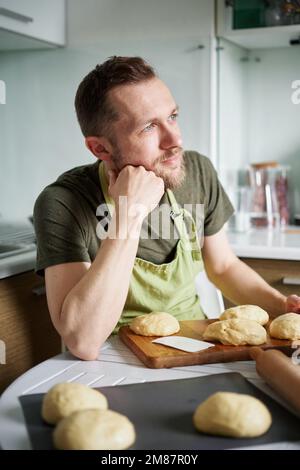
31 24
253 38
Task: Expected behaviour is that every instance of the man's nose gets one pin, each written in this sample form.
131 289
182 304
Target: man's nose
170 137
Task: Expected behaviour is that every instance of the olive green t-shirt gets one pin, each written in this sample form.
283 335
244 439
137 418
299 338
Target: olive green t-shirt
66 217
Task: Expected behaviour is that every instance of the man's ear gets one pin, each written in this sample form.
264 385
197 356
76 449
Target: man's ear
99 146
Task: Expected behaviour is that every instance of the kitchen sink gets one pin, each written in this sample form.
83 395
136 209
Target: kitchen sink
10 249
17 246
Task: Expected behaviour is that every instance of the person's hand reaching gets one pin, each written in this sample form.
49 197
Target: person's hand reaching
293 304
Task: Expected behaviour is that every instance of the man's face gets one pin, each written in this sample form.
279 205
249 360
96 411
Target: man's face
147 132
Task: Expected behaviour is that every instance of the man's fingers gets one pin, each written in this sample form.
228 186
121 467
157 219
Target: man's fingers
293 304
294 300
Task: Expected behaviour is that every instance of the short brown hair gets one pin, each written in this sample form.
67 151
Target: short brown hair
94 112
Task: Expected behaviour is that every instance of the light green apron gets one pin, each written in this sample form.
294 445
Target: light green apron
167 287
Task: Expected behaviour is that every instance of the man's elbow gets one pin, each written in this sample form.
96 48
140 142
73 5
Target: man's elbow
85 354
82 350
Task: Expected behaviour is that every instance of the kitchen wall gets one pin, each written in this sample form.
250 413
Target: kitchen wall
39 135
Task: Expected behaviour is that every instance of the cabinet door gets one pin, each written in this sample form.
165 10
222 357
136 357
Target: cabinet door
26 333
43 20
283 275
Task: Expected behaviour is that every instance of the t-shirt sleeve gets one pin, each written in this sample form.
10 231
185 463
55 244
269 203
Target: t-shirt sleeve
218 208
59 227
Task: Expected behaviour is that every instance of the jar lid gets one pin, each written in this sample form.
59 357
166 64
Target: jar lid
263 165
271 169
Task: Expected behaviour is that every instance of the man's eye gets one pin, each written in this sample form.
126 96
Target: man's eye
149 127
174 116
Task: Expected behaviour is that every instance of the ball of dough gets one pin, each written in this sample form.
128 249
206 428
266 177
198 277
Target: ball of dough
286 326
94 430
249 312
236 331
232 414
155 324
65 398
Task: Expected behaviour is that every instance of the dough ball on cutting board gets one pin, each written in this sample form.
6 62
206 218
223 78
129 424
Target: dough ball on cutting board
94 430
249 312
232 414
65 398
155 324
286 326
236 331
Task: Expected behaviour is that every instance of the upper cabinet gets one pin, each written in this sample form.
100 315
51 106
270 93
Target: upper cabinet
271 23
32 24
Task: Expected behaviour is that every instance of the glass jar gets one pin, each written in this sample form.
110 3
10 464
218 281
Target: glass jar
269 207
282 188
291 10
242 205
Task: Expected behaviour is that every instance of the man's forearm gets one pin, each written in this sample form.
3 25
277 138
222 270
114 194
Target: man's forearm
93 307
242 285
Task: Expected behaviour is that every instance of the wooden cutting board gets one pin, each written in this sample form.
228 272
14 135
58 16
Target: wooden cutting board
157 356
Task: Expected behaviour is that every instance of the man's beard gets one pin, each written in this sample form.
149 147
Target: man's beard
172 177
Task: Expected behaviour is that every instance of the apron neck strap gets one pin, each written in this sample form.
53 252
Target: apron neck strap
173 203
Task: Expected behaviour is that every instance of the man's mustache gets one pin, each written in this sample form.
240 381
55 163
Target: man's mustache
170 153
165 156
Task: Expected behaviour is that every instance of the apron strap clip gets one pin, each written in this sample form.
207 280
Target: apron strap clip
173 214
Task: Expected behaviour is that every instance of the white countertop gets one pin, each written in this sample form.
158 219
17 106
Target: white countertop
117 365
267 244
255 243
